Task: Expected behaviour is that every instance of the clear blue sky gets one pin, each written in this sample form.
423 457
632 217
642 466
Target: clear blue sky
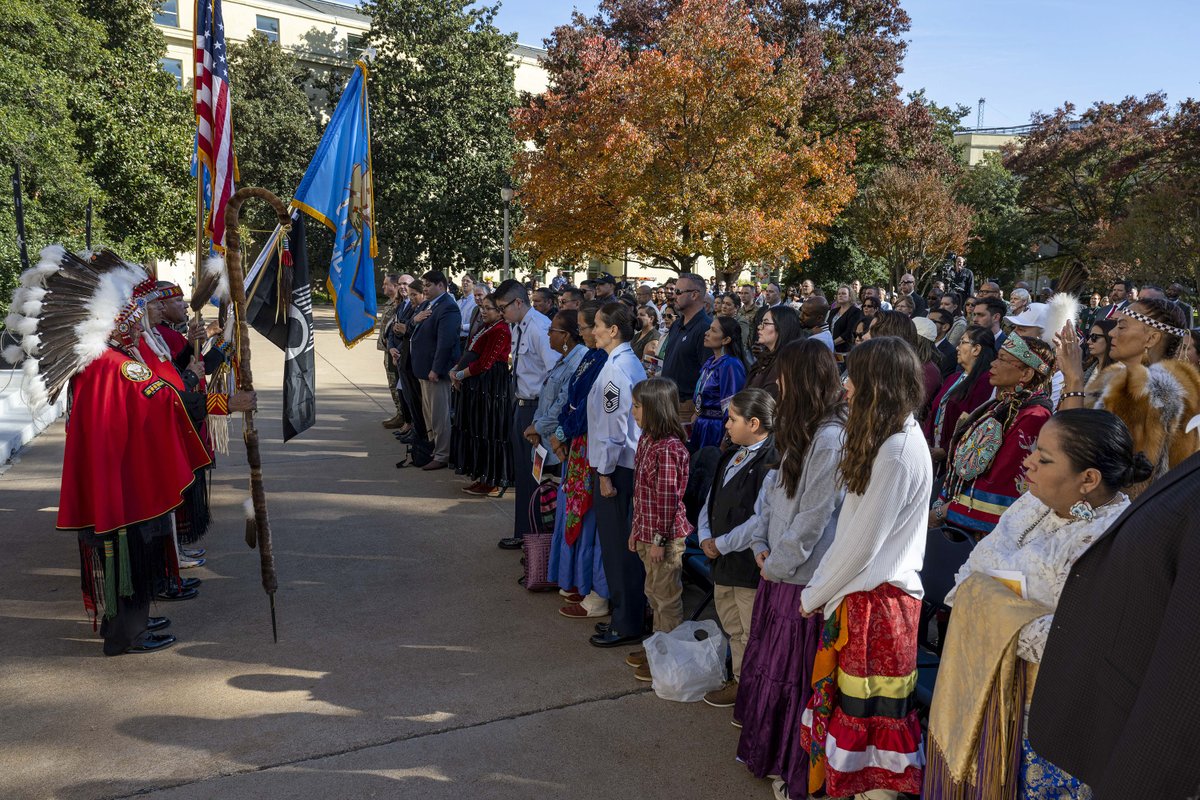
1022 55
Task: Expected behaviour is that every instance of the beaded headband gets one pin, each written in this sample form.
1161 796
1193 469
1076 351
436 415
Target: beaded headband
1016 347
1153 323
143 294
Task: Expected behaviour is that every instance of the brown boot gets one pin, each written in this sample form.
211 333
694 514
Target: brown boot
724 697
394 422
642 673
637 658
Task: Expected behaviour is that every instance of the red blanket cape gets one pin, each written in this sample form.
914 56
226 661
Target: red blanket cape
131 447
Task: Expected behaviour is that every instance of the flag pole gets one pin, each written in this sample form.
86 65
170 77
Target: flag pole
200 249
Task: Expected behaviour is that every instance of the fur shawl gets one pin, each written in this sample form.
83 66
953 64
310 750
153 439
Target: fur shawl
1156 403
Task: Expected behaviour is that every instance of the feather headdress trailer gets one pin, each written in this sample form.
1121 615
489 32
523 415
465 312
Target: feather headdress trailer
64 310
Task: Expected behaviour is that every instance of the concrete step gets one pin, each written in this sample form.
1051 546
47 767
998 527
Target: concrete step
19 425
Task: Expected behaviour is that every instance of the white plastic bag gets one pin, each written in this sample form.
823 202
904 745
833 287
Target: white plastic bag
688 662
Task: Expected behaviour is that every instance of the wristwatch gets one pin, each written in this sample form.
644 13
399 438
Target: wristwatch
660 540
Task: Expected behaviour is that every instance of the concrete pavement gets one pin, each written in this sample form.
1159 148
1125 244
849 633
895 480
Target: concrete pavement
410 664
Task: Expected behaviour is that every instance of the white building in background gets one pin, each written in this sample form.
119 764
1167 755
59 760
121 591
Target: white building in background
322 35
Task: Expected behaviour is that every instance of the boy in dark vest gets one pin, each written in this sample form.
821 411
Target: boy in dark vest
731 500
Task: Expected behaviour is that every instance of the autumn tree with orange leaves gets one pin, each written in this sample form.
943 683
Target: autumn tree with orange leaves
909 219
690 147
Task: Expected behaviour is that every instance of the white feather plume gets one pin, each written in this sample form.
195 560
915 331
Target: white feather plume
49 262
112 295
215 267
13 354
22 325
248 508
31 343
1061 309
28 300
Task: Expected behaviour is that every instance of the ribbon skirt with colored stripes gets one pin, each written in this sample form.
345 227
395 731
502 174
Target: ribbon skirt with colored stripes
864 723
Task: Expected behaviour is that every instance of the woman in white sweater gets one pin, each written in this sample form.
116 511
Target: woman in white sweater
795 516
860 727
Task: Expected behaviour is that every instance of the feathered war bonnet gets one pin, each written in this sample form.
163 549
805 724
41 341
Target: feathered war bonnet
68 310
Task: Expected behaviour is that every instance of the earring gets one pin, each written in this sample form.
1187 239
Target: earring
1083 511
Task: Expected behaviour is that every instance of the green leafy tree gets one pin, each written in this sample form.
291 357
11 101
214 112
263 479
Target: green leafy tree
46 53
136 128
275 128
442 94
1002 239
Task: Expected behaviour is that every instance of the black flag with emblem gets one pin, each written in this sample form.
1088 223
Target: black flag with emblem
279 306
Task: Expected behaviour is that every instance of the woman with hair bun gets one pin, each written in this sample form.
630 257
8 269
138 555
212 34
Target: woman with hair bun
1155 393
1004 600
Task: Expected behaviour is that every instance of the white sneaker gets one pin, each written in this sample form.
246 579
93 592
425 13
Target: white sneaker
190 563
779 790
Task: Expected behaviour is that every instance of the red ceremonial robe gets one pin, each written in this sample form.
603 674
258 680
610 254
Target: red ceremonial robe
131 448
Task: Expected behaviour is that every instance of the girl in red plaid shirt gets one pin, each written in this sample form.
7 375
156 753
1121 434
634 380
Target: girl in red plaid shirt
660 478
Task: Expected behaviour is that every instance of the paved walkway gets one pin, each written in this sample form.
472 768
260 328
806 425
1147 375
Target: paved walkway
409 664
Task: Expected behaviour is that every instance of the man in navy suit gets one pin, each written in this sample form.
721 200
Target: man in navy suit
435 349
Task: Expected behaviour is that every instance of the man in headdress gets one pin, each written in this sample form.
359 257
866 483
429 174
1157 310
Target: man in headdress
171 357
131 449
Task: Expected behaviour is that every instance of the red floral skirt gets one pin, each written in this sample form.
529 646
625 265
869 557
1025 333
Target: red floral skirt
863 728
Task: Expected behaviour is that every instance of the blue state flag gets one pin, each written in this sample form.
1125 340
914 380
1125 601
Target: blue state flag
338 191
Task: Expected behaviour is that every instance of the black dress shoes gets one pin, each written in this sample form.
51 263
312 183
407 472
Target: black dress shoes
511 543
190 583
611 638
151 642
157 623
178 594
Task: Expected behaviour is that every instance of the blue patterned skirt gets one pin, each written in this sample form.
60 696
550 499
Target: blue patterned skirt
577 567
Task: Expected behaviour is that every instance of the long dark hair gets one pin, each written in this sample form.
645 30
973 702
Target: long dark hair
731 330
977 334
889 387
1106 325
895 323
659 399
1096 439
787 325
810 394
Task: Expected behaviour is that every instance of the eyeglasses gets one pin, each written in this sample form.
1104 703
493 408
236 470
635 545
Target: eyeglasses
558 330
764 323
907 282
502 307
1095 337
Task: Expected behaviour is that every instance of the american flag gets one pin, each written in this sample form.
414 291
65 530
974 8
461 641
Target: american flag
214 121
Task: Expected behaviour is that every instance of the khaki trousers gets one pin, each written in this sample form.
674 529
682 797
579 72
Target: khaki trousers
664 584
735 606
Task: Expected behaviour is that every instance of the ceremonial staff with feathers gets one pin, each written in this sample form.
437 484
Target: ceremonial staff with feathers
258 525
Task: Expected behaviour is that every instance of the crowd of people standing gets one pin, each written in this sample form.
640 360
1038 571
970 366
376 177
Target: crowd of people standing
811 450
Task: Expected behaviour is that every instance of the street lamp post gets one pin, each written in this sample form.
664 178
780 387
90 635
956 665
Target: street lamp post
506 194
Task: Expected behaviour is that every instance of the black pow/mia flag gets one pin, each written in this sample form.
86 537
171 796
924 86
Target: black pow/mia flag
280 308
